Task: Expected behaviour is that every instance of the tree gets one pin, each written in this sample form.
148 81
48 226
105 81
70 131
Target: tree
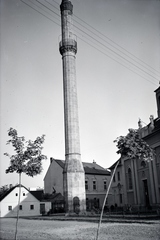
4 189
28 159
131 146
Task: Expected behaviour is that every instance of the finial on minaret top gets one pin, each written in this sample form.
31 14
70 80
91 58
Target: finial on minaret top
66 5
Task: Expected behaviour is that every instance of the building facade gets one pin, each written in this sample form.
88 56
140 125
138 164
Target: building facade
137 182
29 204
96 181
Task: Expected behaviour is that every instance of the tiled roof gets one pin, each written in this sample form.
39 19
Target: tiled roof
89 168
37 194
92 165
60 162
96 171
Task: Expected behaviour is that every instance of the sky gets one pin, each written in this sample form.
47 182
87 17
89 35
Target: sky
117 71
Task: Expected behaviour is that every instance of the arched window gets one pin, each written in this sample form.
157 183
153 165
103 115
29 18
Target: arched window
94 185
86 184
105 184
130 186
143 164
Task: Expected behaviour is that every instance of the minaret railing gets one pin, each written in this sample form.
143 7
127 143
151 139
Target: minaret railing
68 44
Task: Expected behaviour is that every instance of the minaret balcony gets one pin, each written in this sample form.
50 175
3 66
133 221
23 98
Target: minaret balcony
66 45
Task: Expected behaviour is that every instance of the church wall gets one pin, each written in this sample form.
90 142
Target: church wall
143 175
130 197
157 158
116 193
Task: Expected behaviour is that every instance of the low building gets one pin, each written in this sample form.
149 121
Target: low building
49 203
29 204
137 182
96 181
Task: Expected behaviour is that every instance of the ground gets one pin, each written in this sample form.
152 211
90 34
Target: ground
74 230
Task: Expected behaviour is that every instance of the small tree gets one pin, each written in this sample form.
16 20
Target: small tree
4 189
28 159
131 146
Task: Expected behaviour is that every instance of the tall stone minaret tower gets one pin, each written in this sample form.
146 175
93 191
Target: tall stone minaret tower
74 179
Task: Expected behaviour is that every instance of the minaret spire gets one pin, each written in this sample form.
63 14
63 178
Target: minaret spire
74 179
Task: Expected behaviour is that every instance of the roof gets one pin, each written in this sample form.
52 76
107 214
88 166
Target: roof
89 168
60 162
96 171
54 197
37 194
158 89
42 197
92 165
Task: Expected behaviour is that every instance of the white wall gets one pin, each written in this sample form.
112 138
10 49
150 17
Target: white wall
27 199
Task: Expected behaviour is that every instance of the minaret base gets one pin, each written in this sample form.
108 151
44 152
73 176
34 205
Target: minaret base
75 197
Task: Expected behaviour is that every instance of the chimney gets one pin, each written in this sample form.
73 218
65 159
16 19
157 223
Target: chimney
51 160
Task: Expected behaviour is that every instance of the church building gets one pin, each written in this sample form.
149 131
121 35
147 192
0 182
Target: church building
137 182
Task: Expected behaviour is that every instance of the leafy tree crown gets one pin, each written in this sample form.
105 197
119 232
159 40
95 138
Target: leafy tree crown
133 146
28 157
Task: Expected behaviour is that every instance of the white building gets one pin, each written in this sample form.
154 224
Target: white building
29 204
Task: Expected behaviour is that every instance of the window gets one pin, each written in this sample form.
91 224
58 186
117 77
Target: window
20 207
143 164
31 207
105 185
16 194
24 194
94 185
86 184
118 174
10 208
130 179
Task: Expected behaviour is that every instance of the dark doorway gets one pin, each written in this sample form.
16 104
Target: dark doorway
42 208
76 205
146 194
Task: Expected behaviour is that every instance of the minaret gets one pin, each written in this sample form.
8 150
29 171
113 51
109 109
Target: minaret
74 178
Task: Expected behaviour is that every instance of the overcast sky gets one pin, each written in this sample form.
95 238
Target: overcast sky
117 71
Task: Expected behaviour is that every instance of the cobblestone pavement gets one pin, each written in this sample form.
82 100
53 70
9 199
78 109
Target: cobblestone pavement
74 230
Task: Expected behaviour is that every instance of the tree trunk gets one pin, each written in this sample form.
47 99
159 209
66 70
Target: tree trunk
105 200
19 197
